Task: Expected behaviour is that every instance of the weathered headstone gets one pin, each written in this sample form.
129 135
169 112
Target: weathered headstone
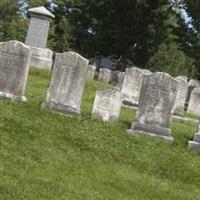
132 85
195 144
121 76
114 77
191 86
183 77
194 103
37 37
107 105
104 75
157 99
91 72
67 84
180 97
106 63
14 66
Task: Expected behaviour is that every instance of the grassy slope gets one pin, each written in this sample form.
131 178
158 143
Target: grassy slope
48 156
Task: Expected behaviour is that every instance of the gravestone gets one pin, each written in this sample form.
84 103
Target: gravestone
67 84
183 77
37 37
107 105
132 85
180 97
191 86
121 76
194 103
14 66
104 75
195 144
114 77
106 63
91 72
157 99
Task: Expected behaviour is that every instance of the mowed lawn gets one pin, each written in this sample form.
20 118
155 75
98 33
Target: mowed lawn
47 156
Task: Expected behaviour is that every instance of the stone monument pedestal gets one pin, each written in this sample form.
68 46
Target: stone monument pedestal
150 130
41 58
195 144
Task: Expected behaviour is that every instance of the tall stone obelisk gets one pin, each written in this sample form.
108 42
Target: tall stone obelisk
37 37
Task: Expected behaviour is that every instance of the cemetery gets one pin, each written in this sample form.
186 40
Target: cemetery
74 126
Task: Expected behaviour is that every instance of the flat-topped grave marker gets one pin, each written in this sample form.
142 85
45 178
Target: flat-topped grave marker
107 105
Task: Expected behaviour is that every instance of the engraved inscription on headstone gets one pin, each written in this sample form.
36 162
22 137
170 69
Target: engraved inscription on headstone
157 99
14 66
67 83
107 105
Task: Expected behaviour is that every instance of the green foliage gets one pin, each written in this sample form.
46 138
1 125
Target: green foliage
47 156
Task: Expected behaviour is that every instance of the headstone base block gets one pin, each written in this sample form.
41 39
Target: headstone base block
194 146
62 109
153 131
11 97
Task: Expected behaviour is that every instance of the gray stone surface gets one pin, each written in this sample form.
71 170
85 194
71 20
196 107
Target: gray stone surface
106 63
180 97
194 103
191 86
107 105
67 84
104 75
14 67
91 72
132 85
195 144
121 76
39 27
157 99
114 77
41 58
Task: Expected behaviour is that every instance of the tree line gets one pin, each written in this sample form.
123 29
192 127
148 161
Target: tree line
153 34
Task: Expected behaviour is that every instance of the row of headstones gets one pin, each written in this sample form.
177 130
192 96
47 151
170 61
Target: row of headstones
131 82
156 102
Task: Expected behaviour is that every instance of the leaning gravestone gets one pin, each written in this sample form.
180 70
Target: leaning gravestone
194 103
132 85
14 66
180 97
195 144
91 72
157 99
107 105
104 75
37 37
67 84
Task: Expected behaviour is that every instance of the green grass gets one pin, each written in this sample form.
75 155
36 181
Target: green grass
188 115
47 156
